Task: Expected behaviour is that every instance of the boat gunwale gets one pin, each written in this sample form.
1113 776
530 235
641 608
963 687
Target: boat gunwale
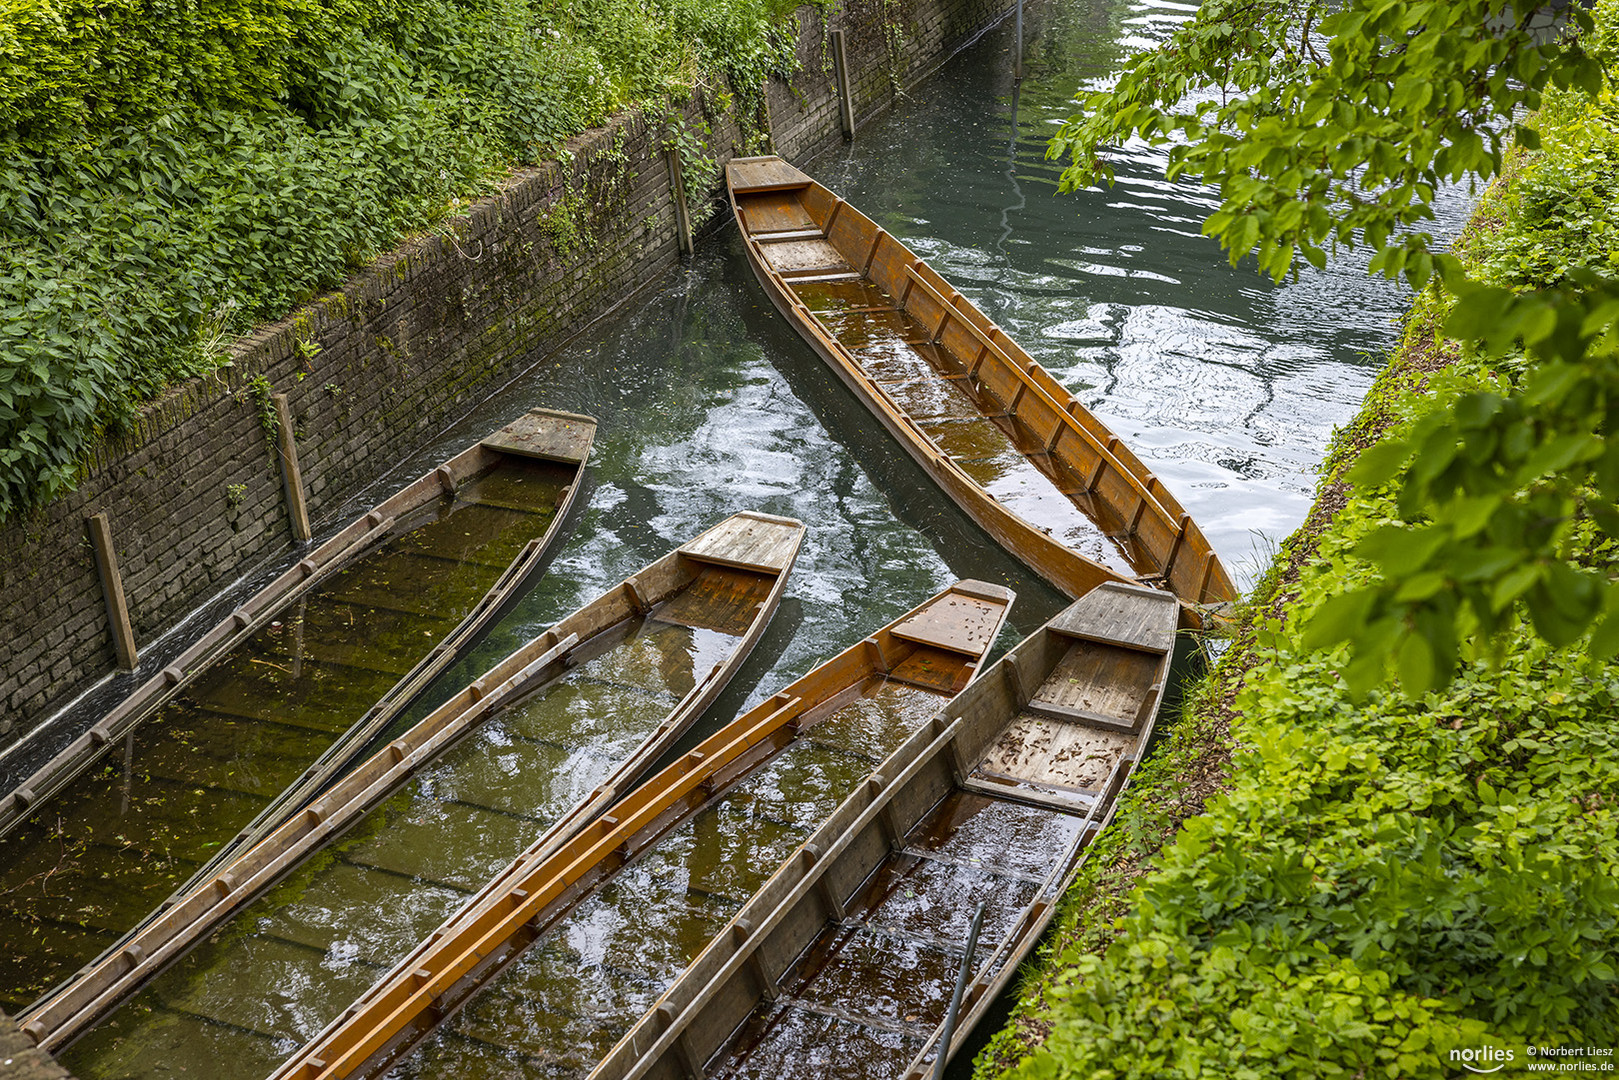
1081 573
635 825
58 1018
329 557
662 1029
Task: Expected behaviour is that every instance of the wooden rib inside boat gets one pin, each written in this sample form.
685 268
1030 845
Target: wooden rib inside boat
1004 439
272 703
544 969
523 756
843 965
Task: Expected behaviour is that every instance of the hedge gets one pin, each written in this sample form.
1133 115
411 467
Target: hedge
1383 882
179 170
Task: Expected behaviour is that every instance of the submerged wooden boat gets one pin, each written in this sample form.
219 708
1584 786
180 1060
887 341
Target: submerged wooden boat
796 755
632 670
1004 439
271 704
843 965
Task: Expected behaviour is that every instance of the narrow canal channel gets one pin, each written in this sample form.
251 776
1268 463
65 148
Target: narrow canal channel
1226 385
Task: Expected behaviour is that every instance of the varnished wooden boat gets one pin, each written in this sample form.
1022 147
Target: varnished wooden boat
1003 438
722 587
917 663
848 960
272 703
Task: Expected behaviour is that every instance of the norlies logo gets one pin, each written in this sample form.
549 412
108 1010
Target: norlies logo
1486 1059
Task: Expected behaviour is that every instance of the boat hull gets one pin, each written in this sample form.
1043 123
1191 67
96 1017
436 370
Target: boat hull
199 911
899 864
800 238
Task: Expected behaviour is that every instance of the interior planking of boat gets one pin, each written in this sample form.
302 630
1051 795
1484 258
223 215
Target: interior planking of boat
275 701
577 714
660 874
843 965
1005 440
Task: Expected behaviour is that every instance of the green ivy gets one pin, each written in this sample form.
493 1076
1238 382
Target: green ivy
181 170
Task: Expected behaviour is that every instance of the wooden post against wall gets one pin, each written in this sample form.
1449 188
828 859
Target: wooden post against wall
677 187
292 477
112 588
770 122
1017 49
840 67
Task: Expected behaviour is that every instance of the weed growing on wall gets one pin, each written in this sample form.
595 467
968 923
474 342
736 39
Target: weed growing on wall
179 173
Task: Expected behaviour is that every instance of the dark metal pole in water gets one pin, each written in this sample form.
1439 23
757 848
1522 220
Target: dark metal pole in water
1017 50
941 1055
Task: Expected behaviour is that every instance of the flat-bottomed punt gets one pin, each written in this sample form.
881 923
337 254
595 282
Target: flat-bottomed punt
525 755
568 948
843 966
1004 439
272 703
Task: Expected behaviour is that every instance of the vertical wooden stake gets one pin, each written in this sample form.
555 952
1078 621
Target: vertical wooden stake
677 187
112 587
292 478
840 67
770 122
1017 50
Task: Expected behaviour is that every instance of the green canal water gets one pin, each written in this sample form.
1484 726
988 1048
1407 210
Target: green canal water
1227 385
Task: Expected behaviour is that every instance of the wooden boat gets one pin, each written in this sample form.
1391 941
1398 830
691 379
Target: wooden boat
842 965
1004 439
669 829
273 702
637 650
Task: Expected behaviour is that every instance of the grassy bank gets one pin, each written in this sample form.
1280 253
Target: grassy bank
179 172
1301 884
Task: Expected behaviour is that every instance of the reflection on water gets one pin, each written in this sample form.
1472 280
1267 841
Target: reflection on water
106 850
293 960
565 1002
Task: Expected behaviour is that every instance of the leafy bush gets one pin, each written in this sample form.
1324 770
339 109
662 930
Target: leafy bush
1388 878
1386 881
179 170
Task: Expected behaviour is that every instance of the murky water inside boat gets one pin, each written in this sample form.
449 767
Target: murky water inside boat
299 955
564 1003
865 996
109 847
998 453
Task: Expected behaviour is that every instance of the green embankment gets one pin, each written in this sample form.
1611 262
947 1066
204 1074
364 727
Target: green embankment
1300 884
177 172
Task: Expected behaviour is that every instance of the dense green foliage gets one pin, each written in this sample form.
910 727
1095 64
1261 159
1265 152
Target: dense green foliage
1330 125
1386 880
1391 876
180 170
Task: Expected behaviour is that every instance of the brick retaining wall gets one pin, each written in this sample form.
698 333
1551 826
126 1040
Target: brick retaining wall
193 494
